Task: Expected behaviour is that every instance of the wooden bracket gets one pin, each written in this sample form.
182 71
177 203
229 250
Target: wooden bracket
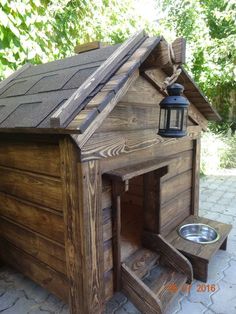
90 46
161 55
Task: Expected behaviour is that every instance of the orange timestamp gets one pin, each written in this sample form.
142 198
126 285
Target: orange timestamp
201 287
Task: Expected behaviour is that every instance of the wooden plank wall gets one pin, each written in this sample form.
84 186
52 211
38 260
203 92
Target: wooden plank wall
31 213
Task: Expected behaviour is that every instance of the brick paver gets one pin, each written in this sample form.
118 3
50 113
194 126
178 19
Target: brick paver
19 295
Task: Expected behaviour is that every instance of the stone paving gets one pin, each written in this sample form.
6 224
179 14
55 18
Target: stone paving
19 295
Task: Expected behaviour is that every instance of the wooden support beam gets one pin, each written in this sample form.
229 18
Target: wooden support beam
83 233
197 117
117 189
161 56
196 177
152 199
179 48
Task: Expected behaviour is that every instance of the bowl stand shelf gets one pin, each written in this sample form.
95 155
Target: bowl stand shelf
200 254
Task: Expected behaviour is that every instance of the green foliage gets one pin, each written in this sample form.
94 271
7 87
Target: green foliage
218 151
41 30
210 29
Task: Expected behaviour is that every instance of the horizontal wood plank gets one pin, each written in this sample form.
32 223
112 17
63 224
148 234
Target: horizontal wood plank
49 252
158 150
35 157
175 186
42 274
131 116
175 211
37 218
42 190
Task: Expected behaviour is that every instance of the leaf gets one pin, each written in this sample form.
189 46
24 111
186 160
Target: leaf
3 18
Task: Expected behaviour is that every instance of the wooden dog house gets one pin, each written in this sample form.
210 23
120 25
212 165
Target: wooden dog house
90 195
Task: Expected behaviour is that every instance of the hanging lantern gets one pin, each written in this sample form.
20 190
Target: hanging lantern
173 113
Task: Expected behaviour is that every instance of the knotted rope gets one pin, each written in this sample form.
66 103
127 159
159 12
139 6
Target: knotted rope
176 70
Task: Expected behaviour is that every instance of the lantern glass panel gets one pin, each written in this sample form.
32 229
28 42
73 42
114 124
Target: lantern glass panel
185 119
176 119
163 118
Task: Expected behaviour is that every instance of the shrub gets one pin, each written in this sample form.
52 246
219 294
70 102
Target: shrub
218 152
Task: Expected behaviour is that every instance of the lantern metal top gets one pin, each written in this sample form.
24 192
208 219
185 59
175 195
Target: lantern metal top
175 89
175 98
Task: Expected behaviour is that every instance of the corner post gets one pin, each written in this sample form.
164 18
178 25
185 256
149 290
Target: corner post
196 176
82 210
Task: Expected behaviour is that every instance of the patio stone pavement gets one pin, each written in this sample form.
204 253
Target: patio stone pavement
19 295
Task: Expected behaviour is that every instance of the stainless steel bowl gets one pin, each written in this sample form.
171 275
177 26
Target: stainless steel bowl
199 233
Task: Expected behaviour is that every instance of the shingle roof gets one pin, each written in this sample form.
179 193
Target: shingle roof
29 99
75 91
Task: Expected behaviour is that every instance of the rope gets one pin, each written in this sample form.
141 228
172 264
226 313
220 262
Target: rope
176 70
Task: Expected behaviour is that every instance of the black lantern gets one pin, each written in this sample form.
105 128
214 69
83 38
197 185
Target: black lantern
173 113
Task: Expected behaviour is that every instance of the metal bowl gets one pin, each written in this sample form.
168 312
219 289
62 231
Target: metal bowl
199 233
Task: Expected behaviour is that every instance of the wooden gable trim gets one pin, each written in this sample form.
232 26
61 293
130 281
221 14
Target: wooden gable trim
97 109
81 139
161 56
75 102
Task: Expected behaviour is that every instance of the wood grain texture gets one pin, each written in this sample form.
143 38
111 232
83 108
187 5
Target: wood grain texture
39 189
202 251
38 218
49 252
116 217
172 256
197 116
143 93
139 293
179 48
159 58
131 116
196 177
156 77
82 190
42 274
162 150
174 186
160 280
83 138
199 254
129 172
175 211
142 261
34 156
152 200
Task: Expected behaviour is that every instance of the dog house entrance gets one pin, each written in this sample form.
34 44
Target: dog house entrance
144 262
136 207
